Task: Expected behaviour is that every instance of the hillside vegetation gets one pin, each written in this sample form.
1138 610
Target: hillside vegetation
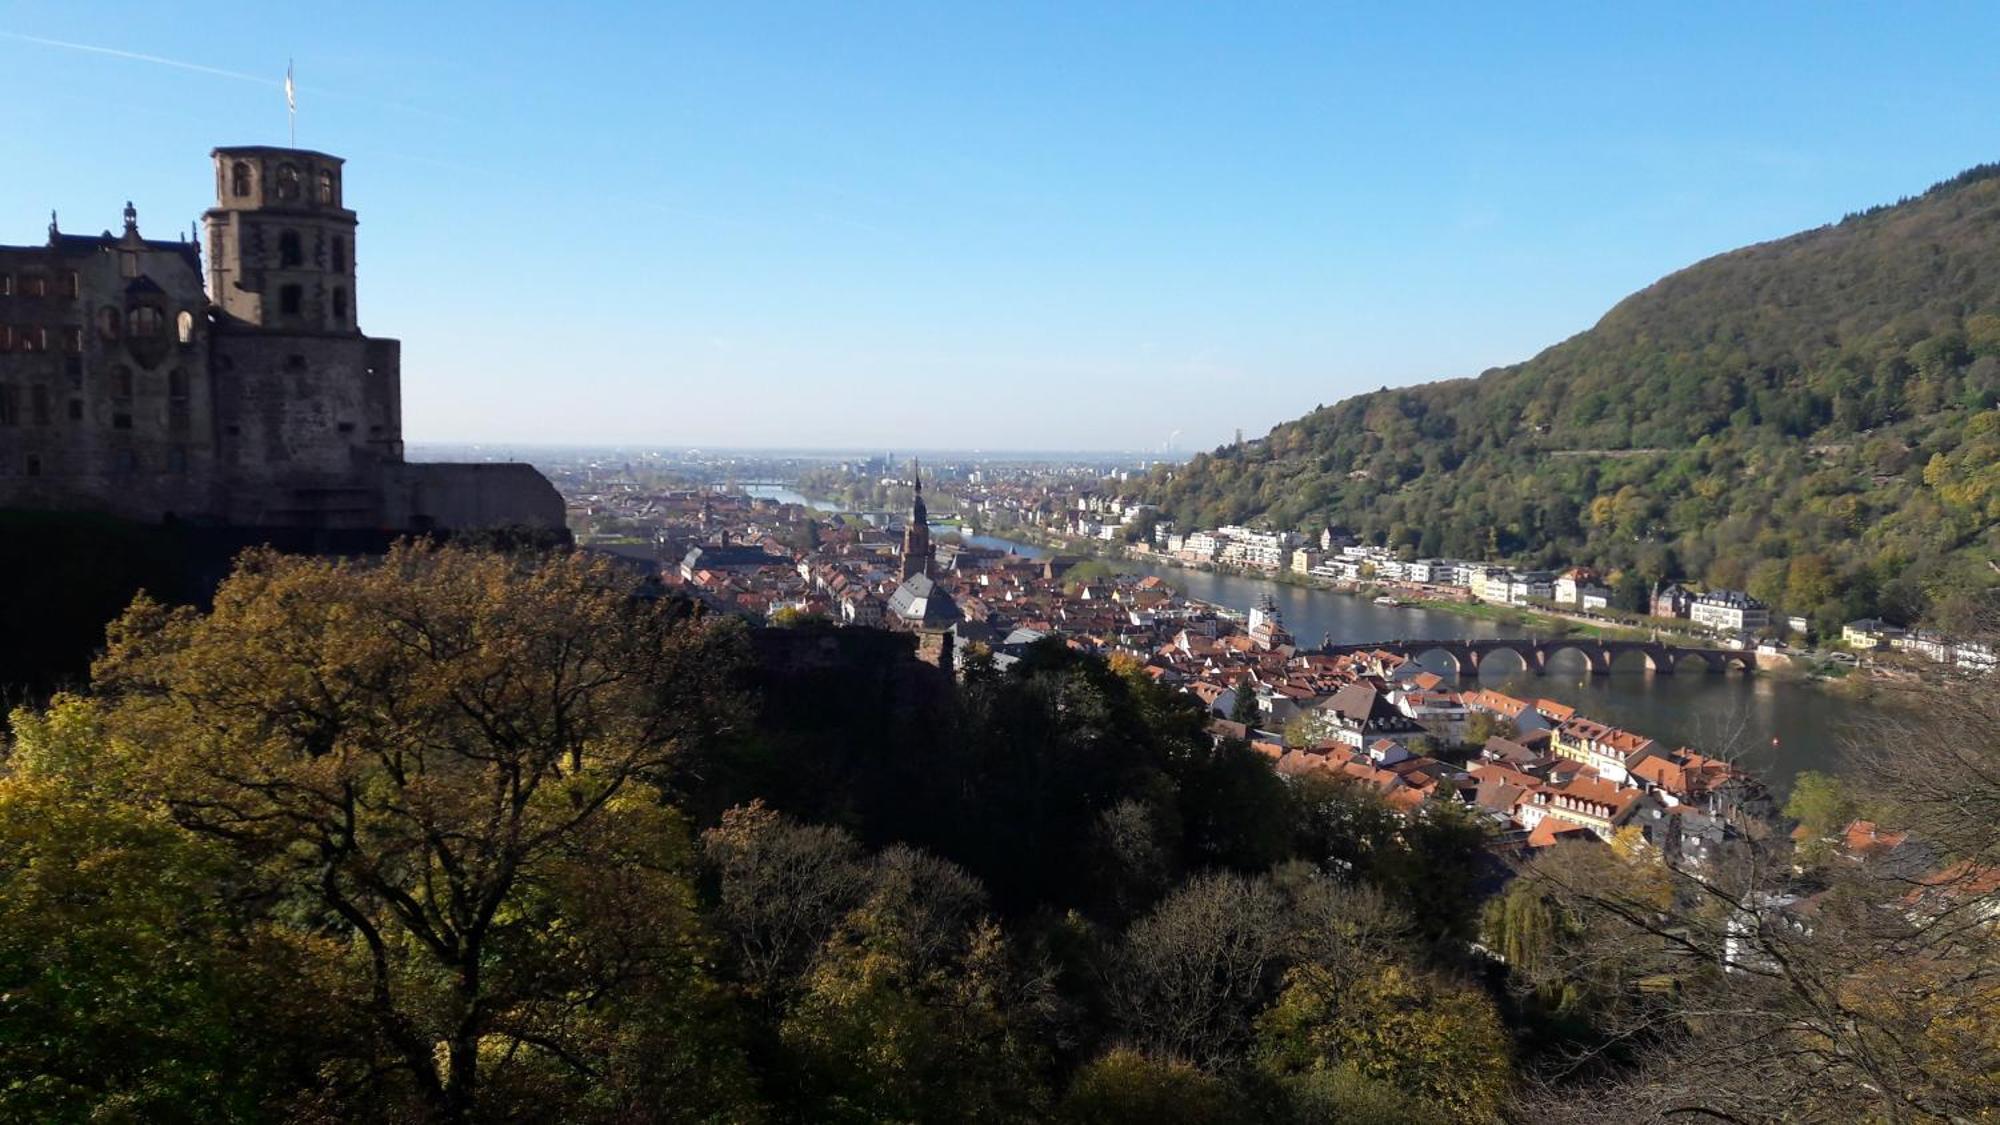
1812 419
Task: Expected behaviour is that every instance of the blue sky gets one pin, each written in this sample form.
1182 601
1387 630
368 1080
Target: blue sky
1010 225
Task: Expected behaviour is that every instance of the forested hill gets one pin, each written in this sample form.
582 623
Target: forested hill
1812 418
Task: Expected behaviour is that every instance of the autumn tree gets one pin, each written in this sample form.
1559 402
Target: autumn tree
1438 1041
913 1008
133 985
1124 1087
447 765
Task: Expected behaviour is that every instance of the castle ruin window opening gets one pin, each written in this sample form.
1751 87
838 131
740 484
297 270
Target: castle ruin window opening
340 304
326 193
239 178
185 324
288 182
289 253
290 298
144 322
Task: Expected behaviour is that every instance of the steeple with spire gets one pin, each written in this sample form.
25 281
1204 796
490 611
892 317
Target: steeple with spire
917 533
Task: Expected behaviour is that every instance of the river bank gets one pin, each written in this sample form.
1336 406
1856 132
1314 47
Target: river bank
1536 620
1775 723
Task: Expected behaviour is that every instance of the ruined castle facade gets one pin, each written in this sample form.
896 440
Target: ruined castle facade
130 383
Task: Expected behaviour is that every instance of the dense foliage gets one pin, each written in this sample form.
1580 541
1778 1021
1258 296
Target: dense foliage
456 836
463 836
1812 419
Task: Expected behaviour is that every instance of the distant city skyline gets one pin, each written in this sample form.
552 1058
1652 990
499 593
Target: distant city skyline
1022 229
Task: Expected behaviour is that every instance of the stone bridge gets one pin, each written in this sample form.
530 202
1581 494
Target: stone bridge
1660 658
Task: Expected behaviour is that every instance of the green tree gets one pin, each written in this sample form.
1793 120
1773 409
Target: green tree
1822 805
129 990
1245 709
1124 1087
1436 1040
909 1012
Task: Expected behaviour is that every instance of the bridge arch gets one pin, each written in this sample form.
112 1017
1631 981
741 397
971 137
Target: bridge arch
1526 651
1464 662
1595 657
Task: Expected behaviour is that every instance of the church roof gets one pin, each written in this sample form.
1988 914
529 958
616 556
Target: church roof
921 601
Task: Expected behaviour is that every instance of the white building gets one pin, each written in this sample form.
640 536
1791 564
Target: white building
1729 611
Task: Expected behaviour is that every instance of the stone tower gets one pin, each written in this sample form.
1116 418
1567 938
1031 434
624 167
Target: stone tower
311 408
917 534
280 244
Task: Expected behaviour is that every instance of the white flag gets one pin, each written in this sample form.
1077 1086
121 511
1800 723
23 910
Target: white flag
291 92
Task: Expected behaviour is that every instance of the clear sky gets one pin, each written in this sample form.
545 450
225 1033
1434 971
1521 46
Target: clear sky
1006 225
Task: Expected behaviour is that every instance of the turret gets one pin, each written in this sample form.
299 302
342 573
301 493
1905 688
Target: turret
280 244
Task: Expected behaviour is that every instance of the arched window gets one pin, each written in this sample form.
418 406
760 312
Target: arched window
289 253
239 178
339 304
339 254
288 182
326 186
185 323
144 322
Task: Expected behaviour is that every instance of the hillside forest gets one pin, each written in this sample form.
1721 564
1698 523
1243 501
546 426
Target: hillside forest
1811 419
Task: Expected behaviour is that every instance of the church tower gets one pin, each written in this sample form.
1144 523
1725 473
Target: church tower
917 534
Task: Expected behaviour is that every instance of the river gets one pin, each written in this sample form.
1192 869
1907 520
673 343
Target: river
1775 725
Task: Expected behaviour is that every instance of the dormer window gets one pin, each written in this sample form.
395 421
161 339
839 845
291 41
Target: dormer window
288 182
239 179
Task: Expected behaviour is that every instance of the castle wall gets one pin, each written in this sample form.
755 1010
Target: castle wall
426 495
106 401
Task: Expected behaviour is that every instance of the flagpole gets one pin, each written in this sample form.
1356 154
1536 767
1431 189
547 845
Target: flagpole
291 104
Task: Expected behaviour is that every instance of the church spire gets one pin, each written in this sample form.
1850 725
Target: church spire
917 533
